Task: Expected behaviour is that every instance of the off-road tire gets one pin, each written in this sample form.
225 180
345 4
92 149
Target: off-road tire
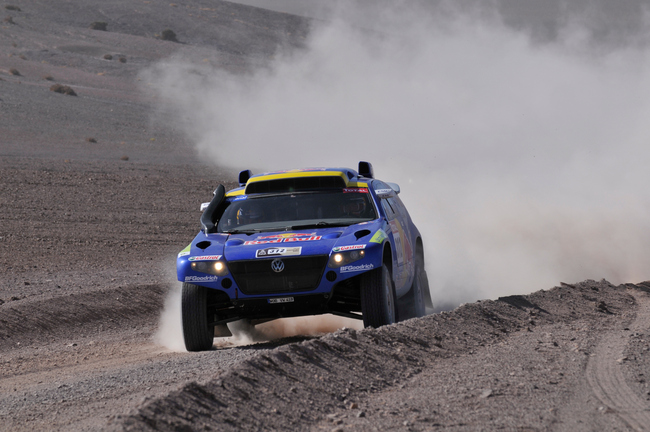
414 304
378 302
198 335
416 294
424 279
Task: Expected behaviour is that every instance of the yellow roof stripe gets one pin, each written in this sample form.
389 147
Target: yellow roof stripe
235 192
298 174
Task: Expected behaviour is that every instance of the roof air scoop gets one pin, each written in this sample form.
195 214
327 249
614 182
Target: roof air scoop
365 169
244 176
208 218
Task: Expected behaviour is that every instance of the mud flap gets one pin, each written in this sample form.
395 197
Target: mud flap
222 330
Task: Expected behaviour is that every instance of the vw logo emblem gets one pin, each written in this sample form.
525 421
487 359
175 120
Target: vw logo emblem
277 265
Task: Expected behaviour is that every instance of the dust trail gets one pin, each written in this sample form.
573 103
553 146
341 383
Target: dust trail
245 334
524 163
170 331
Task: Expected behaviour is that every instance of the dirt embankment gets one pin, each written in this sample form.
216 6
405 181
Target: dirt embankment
550 360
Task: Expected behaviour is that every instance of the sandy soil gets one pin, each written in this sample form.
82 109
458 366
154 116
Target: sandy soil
89 230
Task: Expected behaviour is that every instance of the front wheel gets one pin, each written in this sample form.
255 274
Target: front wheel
198 335
378 298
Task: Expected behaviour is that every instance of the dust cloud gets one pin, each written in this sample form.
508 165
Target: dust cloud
523 163
170 331
170 328
245 334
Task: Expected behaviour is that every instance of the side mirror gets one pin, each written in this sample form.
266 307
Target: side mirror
394 186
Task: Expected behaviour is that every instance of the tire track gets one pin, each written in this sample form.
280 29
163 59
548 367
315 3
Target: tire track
32 321
605 374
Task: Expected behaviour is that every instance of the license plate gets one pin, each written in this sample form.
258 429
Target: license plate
281 300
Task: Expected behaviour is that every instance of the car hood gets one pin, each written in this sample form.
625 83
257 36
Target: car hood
296 243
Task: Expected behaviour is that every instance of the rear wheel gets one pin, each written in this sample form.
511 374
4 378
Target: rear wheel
424 280
378 298
198 335
416 294
414 304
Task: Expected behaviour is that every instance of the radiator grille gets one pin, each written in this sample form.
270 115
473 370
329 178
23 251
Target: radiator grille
299 274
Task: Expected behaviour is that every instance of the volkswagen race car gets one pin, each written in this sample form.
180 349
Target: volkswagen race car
297 243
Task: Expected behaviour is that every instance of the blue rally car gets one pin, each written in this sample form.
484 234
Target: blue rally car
302 242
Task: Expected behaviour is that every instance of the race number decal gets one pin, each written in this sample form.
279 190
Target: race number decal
278 251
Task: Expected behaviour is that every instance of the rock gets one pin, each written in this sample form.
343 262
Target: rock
485 394
168 35
63 89
99 25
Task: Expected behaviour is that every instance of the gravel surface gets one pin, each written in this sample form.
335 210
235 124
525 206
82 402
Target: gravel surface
536 362
98 194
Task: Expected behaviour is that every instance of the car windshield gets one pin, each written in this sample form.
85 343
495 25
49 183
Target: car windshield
296 211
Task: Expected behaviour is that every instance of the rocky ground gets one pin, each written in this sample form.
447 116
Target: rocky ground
98 195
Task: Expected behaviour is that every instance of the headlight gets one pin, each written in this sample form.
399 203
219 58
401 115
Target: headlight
211 267
339 259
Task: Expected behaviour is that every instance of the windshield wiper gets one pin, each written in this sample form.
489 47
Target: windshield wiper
235 231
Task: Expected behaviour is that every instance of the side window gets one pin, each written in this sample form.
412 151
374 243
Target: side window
397 205
390 213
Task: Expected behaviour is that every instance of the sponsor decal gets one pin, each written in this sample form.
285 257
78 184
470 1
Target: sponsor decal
357 190
205 258
281 300
261 242
299 239
356 268
379 236
201 278
347 248
286 235
283 240
270 252
239 198
383 191
185 251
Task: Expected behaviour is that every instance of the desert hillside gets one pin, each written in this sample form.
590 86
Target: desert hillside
101 179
